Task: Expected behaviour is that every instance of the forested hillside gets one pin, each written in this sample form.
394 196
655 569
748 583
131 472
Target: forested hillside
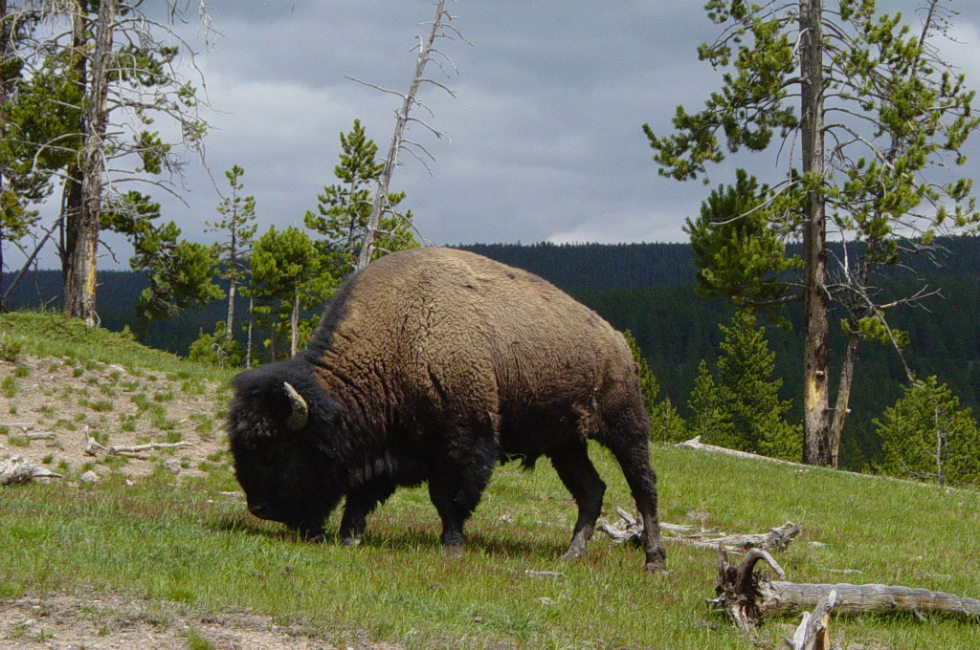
649 289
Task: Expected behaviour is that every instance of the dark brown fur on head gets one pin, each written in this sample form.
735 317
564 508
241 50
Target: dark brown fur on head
288 476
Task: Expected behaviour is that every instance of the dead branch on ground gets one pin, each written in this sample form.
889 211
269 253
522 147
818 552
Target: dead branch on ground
93 447
748 596
630 528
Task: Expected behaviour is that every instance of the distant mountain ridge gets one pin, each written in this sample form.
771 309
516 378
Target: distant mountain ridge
597 267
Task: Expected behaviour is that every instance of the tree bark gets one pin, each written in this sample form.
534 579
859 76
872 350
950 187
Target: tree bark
816 358
81 281
71 198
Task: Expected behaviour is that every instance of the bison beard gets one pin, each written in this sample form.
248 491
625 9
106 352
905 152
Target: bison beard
430 366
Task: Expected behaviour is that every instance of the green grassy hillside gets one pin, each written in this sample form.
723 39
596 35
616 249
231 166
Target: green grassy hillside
189 540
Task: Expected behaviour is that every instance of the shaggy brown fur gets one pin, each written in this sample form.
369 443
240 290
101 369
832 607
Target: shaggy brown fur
429 366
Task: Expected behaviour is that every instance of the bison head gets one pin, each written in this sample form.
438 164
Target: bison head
279 426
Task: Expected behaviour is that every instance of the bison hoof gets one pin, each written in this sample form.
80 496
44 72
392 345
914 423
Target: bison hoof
572 554
312 535
452 550
350 541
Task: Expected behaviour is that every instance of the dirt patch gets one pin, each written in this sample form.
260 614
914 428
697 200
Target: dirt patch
113 622
51 408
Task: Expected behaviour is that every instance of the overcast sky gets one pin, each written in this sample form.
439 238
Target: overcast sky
546 141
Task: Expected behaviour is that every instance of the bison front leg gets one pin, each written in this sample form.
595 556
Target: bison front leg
360 503
578 474
455 488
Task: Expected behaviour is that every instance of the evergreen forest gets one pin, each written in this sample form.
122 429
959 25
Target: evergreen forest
649 289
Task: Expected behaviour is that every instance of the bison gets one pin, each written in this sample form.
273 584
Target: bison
430 366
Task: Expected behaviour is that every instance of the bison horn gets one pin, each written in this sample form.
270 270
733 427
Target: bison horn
301 412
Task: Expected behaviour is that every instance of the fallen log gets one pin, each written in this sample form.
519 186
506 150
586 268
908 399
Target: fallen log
748 596
630 528
16 470
92 448
695 443
136 449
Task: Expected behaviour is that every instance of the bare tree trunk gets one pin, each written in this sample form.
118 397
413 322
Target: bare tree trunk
71 194
233 267
294 326
272 342
6 52
816 358
251 321
231 309
380 205
80 286
841 409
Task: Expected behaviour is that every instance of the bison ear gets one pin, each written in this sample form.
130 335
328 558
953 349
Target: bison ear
301 412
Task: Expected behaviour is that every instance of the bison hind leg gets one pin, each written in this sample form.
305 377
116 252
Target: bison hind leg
577 472
627 437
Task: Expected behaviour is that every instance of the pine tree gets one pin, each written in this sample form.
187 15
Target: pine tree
344 208
927 436
286 278
752 405
706 407
237 222
102 75
741 409
865 109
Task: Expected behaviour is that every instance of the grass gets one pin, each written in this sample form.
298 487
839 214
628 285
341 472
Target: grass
196 545
192 545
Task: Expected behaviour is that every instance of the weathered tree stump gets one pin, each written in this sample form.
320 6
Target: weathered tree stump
748 596
16 470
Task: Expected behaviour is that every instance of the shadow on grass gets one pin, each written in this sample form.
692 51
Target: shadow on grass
414 536
249 525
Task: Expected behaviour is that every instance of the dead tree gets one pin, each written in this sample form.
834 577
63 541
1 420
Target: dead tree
440 28
748 596
123 63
